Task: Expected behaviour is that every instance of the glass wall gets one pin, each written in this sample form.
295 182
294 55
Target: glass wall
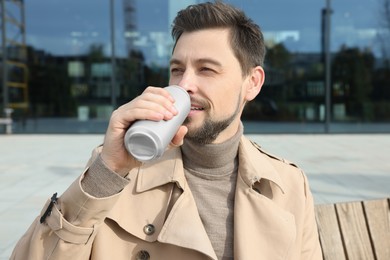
82 59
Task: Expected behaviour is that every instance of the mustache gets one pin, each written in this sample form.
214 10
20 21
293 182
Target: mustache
199 102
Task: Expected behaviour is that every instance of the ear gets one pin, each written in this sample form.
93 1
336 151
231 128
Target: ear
255 82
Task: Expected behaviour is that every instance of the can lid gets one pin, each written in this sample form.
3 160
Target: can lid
143 147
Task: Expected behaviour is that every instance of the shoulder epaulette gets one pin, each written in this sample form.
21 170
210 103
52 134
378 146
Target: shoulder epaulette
258 147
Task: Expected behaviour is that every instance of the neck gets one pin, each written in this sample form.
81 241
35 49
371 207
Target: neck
209 157
229 132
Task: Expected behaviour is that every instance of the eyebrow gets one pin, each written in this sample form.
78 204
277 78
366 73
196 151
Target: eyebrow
198 61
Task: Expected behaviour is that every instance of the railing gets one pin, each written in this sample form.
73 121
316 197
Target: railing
7 121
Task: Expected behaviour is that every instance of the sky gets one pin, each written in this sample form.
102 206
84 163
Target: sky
70 27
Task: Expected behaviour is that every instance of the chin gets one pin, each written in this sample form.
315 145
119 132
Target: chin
192 127
192 122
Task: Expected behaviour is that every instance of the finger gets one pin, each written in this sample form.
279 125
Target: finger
146 108
159 91
156 99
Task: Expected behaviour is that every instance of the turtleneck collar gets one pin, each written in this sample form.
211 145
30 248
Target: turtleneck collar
216 159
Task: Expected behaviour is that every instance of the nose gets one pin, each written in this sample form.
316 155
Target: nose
190 89
188 82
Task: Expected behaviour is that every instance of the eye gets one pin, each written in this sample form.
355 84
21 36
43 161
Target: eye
176 71
207 70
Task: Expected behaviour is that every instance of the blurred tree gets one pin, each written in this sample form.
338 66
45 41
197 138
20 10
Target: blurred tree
131 76
278 57
50 93
277 63
381 92
352 72
96 52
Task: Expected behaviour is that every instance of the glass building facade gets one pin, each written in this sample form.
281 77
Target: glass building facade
67 64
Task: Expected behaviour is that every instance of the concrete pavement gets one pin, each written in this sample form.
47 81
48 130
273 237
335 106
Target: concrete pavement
339 167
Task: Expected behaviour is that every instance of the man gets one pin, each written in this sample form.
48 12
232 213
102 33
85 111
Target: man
213 194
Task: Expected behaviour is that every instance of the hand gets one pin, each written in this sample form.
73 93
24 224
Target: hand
153 104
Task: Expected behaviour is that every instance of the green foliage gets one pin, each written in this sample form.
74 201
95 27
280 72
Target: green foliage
352 69
278 57
50 93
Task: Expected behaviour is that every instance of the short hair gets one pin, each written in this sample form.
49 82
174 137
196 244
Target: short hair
246 38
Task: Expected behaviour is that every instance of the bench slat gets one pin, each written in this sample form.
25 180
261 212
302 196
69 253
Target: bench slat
378 219
354 230
328 230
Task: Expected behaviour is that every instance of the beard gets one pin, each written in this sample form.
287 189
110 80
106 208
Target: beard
211 128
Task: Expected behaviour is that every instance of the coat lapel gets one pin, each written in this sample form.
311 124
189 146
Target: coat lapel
263 230
184 227
152 192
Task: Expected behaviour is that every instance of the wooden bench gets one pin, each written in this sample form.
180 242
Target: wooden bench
355 230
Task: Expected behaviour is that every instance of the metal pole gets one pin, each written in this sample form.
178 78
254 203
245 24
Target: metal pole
113 61
23 30
328 86
4 56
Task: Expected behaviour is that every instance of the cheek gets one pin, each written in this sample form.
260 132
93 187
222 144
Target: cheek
172 81
226 103
223 96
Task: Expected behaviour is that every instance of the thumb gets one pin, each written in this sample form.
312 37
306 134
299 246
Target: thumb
178 139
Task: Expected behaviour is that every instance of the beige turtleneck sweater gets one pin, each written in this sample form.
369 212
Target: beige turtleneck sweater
211 172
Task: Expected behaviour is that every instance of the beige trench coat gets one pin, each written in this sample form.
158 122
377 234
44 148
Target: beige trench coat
155 216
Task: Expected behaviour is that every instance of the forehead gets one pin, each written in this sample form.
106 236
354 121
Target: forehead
208 43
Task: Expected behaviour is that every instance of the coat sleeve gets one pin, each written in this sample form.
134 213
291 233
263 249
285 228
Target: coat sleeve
311 249
68 232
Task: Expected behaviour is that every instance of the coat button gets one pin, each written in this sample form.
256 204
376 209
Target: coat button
149 229
143 255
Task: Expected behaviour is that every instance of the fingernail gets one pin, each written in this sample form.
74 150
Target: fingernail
168 114
174 110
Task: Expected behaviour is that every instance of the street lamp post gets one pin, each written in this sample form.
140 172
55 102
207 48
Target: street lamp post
328 86
4 56
113 60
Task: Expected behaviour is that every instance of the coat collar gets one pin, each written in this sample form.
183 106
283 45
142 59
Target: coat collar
253 167
170 170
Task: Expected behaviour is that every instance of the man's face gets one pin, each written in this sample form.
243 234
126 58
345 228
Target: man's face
203 63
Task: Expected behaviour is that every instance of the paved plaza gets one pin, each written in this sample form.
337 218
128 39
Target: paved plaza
339 167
